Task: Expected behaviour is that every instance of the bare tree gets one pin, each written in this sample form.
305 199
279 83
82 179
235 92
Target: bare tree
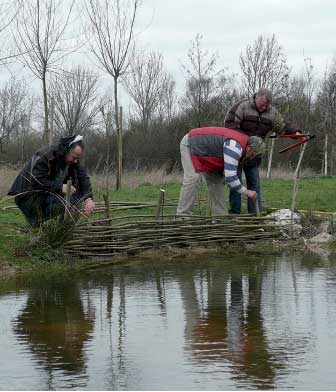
297 105
228 91
146 85
8 12
110 36
264 64
168 100
76 101
13 109
327 106
201 74
39 36
310 82
26 128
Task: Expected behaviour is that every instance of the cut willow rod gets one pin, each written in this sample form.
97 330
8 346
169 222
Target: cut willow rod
155 230
145 230
169 239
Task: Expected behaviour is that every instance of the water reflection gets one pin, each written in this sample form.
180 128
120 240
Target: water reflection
225 325
56 325
216 323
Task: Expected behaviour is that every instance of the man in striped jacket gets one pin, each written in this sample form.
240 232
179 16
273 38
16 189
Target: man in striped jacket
215 152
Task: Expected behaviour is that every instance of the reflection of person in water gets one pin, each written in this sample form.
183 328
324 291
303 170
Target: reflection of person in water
227 330
55 325
254 360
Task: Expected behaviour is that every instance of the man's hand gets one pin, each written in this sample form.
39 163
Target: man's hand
251 194
298 134
89 206
73 189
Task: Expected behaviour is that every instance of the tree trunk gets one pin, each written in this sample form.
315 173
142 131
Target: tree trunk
51 131
332 160
45 103
325 166
120 149
116 109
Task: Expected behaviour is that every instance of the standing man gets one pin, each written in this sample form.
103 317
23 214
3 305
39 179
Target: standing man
254 117
40 187
215 152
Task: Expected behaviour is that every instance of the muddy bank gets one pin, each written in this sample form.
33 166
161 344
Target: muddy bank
169 254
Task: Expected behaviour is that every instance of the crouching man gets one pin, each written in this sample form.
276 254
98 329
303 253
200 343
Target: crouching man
40 187
216 152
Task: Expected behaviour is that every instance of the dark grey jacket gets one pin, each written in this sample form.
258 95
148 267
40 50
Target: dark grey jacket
244 117
47 171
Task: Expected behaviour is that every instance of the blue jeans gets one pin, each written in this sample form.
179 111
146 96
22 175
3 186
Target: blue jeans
251 170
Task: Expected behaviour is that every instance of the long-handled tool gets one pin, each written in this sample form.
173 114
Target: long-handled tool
303 139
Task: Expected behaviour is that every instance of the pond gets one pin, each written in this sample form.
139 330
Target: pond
207 323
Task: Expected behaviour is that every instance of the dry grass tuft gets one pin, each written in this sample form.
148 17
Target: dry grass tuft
287 173
136 178
7 176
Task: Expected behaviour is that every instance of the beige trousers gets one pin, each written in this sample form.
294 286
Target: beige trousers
191 182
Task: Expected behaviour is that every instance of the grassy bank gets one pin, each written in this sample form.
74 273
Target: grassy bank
314 193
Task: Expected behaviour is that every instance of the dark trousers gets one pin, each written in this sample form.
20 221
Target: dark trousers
251 170
40 206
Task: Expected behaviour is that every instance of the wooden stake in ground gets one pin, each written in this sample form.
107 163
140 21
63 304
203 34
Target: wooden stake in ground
256 206
296 183
268 174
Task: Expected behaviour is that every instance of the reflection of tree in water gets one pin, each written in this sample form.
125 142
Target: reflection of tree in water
55 325
230 329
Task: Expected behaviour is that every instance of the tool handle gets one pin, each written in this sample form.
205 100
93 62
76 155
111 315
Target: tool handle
307 138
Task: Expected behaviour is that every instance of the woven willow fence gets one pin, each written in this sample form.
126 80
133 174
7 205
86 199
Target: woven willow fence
121 234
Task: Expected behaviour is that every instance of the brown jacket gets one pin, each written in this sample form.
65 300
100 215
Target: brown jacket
244 117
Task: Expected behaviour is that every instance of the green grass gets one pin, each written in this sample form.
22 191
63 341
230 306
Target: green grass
316 194
11 239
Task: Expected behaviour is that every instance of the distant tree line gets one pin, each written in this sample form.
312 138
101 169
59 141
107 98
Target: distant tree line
145 135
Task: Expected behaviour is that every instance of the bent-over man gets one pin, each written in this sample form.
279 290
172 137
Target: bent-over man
254 117
40 187
216 152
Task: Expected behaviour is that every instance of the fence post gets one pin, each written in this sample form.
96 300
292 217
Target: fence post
159 210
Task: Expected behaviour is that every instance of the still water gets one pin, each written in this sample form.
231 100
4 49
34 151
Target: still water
205 324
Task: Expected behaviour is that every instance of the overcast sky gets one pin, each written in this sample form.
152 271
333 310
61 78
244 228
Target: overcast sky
304 28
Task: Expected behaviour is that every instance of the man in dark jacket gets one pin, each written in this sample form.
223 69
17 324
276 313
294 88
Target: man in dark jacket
254 117
40 187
